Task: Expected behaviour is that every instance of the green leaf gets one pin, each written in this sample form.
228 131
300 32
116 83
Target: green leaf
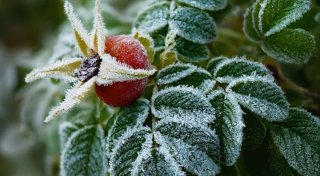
254 131
84 153
214 62
261 96
249 24
131 148
127 119
191 52
65 131
184 103
153 18
159 42
193 25
229 125
171 148
185 74
293 46
160 163
275 15
206 4
277 164
298 140
233 69
195 147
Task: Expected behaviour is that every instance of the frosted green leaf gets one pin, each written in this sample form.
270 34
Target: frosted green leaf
195 147
183 74
159 164
277 164
214 62
153 18
84 153
298 141
293 46
249 25
193 25
206 4
233 69
184 103
128 118
159 42
275 15
261 96
229 125
65 131
129 151
254 131
191 52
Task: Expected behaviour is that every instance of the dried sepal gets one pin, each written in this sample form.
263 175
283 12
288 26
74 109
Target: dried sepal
98 36
113 71
73 97
81 34
63 70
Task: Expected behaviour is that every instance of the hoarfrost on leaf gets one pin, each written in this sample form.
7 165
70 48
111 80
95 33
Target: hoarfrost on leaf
293 46
84 153
184 74
261 96
195 147
183 103
298 140
206 4
275 15
129 151
233 69
153 18
229 125
193 25
128 118
191 52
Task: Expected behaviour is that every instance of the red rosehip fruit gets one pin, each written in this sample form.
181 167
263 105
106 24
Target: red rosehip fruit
129 51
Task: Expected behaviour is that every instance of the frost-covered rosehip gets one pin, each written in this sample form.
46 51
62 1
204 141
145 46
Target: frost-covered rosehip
129 51
117 67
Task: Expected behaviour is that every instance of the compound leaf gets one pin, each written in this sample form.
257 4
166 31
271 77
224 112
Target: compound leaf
193 25
261 96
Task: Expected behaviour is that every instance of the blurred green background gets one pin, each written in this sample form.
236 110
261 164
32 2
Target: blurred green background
35 32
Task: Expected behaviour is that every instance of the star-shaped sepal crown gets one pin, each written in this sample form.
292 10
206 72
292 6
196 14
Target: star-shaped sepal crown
94 67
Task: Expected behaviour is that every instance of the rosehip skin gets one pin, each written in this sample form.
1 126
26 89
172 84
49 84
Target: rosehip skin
129 51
